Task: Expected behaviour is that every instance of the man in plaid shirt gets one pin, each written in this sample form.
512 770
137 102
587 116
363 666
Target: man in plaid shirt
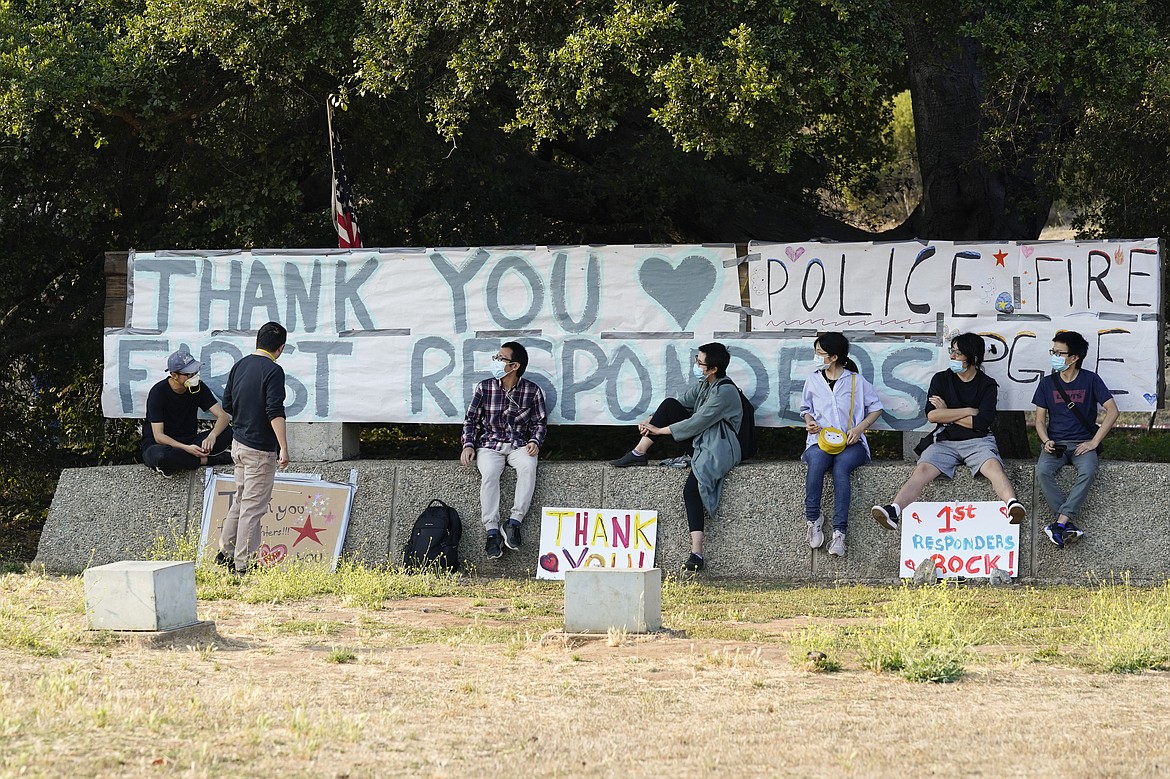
505 425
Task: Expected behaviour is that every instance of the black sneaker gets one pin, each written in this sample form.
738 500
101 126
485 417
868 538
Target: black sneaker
494 549
1055 534
694 563
628 459
886 516
1072 533
225 561
1016 512
512 536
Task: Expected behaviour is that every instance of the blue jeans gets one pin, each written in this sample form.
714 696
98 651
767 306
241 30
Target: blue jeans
1050 464
819 462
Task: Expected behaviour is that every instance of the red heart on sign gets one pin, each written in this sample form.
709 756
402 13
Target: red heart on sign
549 562
1003 510
910 564
271 555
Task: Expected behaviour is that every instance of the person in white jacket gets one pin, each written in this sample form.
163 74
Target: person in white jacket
838 405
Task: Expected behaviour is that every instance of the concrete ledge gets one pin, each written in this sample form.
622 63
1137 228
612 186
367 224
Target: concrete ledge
104 514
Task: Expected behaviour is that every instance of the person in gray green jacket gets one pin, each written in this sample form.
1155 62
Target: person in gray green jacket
707 416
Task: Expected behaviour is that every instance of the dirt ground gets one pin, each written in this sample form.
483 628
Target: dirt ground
429 692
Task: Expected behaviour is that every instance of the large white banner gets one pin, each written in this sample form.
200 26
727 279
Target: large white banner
403 335
1016 295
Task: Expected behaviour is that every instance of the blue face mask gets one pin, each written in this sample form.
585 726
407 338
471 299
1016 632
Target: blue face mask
1058 363
499 369
697 371
957 366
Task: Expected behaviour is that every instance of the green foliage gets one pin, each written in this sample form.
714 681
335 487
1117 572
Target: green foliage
162 124
1126 629
924 636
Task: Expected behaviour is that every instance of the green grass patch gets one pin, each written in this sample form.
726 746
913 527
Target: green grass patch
1127 629
340 655
924 635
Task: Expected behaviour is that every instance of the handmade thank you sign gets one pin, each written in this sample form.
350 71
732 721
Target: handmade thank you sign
595 538
306 520
967 540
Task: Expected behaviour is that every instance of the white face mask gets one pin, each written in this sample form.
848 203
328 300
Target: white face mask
192 383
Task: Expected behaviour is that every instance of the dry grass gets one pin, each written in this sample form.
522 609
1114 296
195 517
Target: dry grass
451 680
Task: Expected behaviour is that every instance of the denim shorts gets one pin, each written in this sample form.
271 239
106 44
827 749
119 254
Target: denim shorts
949 455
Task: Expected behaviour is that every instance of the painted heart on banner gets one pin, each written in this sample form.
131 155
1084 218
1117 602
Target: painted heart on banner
1150 398
1027 250
794 254
549 562
271 555
680 289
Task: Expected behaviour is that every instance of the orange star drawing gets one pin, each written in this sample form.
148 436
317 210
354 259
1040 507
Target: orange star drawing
1000 256
308 531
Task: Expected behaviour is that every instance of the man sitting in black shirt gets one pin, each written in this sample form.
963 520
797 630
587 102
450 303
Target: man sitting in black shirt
961 402
171 440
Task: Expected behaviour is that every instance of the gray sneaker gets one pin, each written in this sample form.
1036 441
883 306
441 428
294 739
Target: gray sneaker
814 535
494 549
837 544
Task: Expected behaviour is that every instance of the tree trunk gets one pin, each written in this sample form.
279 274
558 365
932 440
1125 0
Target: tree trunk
972 189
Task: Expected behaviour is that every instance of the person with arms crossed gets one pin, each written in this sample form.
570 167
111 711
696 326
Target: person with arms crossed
506 424
254 396
1066 422
961 402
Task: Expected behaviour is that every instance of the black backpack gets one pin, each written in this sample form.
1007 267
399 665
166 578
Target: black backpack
434 539
747 425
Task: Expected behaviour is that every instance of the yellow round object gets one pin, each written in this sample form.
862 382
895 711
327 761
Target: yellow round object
831 440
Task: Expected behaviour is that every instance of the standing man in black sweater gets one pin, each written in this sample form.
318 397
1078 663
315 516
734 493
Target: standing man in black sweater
254 396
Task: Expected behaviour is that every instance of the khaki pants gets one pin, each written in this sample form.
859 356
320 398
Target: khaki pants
255 473
491 464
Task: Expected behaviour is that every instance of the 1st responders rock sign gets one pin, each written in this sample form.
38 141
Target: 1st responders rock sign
403 335
961 539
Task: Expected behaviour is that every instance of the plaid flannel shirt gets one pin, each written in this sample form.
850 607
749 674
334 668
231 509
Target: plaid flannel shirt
497 417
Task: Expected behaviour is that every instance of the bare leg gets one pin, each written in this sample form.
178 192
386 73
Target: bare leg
993 470
644 444
924 473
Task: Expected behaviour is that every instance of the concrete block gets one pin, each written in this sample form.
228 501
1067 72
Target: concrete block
1125 524
760 525
109 513
368 538
757 533
322 442
597 600
140 595
557 484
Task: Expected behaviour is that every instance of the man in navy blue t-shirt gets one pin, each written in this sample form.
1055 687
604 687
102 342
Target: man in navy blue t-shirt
1070 433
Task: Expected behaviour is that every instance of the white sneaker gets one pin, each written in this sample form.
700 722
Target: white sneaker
814 535
837 545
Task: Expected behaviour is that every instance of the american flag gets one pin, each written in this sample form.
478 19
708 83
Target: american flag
344 218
